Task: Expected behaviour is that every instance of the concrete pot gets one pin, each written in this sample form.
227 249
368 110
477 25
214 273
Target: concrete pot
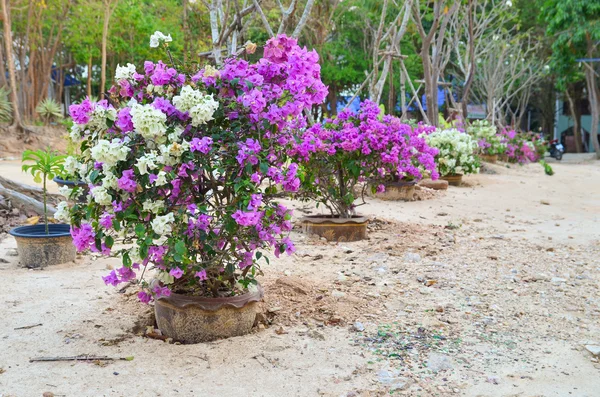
454 180
335 228
194 319
396 191
489 158
38 249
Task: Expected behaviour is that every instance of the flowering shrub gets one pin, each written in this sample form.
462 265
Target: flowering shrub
456 152
183 169
359 147
487 137
523 148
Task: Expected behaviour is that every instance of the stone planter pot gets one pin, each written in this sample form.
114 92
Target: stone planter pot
395 191
489 158
336 229
454 180
194 319
83 187
38 249
502 157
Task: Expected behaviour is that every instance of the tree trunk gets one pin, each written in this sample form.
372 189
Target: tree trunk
214 30
16 123
332 99
185 33
303 18
3 81
431 89
576 115
391 91
107 13
89 77
590 78
471 66
593 95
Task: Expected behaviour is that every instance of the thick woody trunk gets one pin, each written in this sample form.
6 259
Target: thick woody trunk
431 88
16 124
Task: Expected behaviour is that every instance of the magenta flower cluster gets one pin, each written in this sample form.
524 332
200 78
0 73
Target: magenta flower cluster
361 147
522 148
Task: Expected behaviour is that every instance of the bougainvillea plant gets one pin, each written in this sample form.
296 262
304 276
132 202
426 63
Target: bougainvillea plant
523 148
183 169
358 147
488 139
456 152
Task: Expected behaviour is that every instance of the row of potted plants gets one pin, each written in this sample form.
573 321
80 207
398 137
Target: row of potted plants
180 172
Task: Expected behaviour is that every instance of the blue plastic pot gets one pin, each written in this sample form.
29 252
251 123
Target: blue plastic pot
83 187
38 249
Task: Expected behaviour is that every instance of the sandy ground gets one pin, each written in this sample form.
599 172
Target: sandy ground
487 290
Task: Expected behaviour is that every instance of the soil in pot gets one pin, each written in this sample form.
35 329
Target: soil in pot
83 187
489 158
336 229
454 180
38 249
194 319
395 191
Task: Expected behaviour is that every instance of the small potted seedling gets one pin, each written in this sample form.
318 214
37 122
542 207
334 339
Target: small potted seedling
48 243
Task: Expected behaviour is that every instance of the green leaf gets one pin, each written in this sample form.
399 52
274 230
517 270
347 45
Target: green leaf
94 175
180 247
140 230
126 259
258 255
109 241
264 167
129 358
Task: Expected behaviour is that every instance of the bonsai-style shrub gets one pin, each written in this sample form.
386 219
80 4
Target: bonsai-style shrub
358 147
46 165
456 152
487 137
183 168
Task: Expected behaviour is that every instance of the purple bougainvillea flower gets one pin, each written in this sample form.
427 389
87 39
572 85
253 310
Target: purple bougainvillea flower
176 272
127 181
201 275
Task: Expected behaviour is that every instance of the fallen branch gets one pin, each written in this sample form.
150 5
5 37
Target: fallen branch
83 357
20 199
29 326
32 191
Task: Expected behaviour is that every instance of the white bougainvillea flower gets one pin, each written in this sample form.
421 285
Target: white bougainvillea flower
158 37
124 72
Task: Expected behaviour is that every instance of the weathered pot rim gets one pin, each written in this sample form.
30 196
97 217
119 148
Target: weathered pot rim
39 231
334 219
68 182
212 304
400 183
451 175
